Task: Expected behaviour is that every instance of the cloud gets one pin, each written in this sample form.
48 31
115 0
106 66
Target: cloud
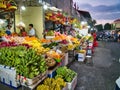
110 16
102 11
103 8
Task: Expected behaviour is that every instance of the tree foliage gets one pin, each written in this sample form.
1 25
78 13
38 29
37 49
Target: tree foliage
107 26
99 27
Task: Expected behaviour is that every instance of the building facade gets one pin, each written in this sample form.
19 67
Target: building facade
65 5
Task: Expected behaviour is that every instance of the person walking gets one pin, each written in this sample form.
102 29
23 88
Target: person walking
115 36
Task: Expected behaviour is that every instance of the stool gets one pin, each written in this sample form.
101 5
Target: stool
89 60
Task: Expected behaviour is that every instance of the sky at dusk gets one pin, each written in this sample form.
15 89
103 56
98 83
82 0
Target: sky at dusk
101 10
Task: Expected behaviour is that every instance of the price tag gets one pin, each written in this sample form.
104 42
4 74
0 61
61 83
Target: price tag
89 51
90 44
59 51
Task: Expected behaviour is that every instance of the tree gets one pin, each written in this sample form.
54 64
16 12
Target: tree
94 22
99 27
107 26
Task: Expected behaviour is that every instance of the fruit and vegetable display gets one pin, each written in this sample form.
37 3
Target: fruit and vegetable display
71 47
35 43
81 51
32 57
88 38
64 42
17 39
65 73
50 33
45 41
7 44
32 42
57 38
78 36
51 45
59 17
53 54
50 62
52 84
26 61
75 41
12 44
2 33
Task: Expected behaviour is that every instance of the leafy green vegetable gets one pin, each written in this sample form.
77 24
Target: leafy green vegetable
65 73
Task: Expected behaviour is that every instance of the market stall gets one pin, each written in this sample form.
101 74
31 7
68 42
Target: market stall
41 63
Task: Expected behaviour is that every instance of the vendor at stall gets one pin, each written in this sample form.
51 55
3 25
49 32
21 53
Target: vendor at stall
22 31
8 30
31 30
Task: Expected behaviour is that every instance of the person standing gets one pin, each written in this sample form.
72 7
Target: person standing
119 36
31 30
116 36
23 33
8 30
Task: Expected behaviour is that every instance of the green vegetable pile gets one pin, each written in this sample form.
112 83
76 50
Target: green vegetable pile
51 45
26 61
65 73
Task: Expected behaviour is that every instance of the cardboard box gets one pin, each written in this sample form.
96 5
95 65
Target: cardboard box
27 82
81 57
8 76
33 86
65 88
65 59
52 73
72 85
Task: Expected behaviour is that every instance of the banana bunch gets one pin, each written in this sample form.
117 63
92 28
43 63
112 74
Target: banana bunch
71 47
34 43
52 84
37 46
42 50
77 43
81 51
49 81
61 82
43 87
2 33
90 38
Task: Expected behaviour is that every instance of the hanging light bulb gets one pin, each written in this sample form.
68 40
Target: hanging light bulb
23 8
1 21
45 7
